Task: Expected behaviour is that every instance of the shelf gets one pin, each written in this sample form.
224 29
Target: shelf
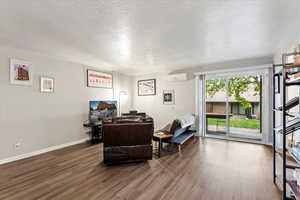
291 54
291 126
289 179
293 82
281 65
291 114
288 114
296 159
290 104
292 161
291 65
295 188
287 73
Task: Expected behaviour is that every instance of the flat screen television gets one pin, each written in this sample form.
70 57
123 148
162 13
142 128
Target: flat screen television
102 109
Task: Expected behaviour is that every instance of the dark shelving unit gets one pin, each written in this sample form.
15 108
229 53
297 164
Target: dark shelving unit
289 160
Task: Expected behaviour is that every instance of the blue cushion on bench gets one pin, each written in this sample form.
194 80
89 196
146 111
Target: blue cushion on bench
182 138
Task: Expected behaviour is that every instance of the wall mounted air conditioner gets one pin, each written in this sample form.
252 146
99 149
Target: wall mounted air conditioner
177 77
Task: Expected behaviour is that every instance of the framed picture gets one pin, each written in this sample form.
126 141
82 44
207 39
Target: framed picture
20 72
47 84
99 79
277 84
146 87
169 97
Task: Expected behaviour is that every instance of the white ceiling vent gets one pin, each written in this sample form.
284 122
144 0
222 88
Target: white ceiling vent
177 77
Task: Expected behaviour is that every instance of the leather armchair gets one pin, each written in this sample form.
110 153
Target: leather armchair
127 139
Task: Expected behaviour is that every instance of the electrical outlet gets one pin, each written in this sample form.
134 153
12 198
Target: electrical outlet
18 145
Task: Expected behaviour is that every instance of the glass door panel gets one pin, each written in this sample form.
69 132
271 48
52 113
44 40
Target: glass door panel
233 107
216 109
244 101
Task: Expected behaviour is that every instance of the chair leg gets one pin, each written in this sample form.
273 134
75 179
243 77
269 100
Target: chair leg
179 149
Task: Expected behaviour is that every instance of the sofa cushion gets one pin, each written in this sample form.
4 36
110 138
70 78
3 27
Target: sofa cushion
179 131
182 138
186 120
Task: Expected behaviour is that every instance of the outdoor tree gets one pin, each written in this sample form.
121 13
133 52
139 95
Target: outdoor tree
236 87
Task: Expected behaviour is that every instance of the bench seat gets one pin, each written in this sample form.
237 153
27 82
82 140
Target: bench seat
182 138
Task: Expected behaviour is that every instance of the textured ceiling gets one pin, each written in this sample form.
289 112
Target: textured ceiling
142 36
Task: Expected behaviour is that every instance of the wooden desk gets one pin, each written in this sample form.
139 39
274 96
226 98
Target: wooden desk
158 136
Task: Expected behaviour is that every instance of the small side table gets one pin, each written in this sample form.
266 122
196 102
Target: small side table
161 137
96 131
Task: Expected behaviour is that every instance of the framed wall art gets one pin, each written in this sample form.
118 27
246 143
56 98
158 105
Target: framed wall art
47 84
99 79
20 72
169 97
146 87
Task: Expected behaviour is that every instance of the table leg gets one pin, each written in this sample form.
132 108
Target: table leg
93 134
159 147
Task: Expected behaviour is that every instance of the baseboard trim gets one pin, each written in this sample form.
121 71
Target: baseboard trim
35 153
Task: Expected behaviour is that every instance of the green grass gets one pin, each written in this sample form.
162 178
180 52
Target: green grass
238 123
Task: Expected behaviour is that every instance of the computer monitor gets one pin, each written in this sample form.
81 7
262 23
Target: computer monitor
102 109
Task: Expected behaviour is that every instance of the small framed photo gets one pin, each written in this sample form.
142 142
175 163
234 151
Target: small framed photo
169 97
277 84
99 79
47 84
20 72
146 87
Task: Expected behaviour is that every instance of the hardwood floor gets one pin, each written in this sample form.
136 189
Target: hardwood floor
207 169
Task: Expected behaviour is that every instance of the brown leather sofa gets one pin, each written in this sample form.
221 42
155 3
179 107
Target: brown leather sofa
127 139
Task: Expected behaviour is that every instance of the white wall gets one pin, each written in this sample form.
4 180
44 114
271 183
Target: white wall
184 91
39 120
153 105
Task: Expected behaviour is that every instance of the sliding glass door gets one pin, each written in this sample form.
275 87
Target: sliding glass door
233 106
216 107
244 99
